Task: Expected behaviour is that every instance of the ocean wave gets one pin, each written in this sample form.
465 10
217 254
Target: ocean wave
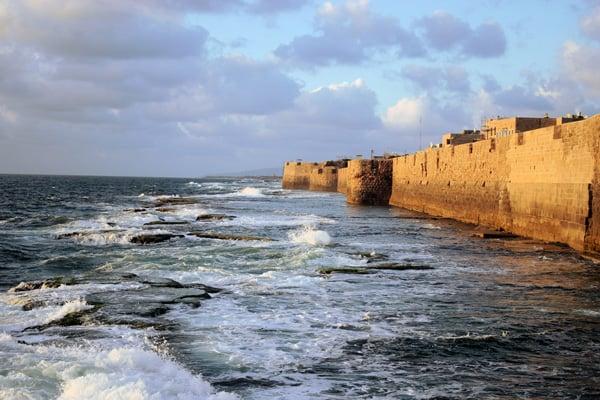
96 373
310 235
69 307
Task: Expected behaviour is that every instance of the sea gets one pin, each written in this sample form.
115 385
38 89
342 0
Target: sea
233 288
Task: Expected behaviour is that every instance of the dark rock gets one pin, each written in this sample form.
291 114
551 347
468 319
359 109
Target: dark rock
70 235
164 209
373 257
136 210
160 222
173 201
226 236
31 304
401 267
214 217
153 238
345 270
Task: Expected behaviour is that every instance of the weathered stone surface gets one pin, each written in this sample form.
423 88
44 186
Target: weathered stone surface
541 184
369 182
152 238
323 179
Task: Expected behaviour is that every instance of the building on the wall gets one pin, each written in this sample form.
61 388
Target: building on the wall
499 127
466 136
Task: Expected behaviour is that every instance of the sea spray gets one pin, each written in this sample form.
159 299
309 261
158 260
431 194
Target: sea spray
250 192
310 235
69 307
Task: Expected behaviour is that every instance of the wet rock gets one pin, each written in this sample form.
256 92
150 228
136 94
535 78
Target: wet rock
152 238
31 304
163 282
43 284
344 270
226 236
135 210
164 209
76 234
160 222
401 267
214 217
173 201
373 257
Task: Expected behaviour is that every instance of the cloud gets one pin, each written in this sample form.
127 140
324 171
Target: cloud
581 65
590 24
406 113
445 32
450 78
348 34
89 31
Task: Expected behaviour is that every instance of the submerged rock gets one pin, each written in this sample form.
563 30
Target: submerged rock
78 234
401 267
164 209
173 201
136 210
214 217
226 236
373 257
373 268
344 270
152 238
160 222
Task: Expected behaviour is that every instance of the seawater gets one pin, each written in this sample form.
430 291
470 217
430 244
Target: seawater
498 319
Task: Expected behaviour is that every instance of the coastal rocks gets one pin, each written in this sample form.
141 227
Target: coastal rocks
391 266
83 234
174 201
43 284
152 238
226 236
164 209
214 217
137 306
161 222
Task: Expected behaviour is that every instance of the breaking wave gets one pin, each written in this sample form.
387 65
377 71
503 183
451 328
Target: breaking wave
310 235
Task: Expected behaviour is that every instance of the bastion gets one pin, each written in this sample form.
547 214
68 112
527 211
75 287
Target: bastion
369 182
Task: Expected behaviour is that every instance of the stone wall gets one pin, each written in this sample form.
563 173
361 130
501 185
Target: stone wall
324 179
296 175
369 182
342 180
543 183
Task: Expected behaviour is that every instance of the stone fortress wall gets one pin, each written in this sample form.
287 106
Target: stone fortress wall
542 183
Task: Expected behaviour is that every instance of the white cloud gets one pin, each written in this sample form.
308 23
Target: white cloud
405 113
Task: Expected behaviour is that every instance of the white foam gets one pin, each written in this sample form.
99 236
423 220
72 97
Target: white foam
69 307
141 195
589 313
310 235
250 192
127 373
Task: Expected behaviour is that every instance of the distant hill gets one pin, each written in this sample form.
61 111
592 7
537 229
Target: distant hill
254 172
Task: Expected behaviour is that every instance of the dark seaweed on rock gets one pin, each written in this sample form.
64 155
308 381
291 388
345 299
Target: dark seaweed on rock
227 236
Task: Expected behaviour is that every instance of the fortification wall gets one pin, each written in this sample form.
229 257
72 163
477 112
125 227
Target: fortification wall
342 180
369 182
296 175
539 184
324 179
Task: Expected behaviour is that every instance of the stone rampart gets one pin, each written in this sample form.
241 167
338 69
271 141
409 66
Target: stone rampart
324 179
544 183
369 182
296 175
342 180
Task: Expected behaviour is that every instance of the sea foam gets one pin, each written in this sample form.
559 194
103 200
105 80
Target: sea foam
129 373
310 235
68 308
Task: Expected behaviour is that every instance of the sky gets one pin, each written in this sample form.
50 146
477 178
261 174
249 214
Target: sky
190 88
